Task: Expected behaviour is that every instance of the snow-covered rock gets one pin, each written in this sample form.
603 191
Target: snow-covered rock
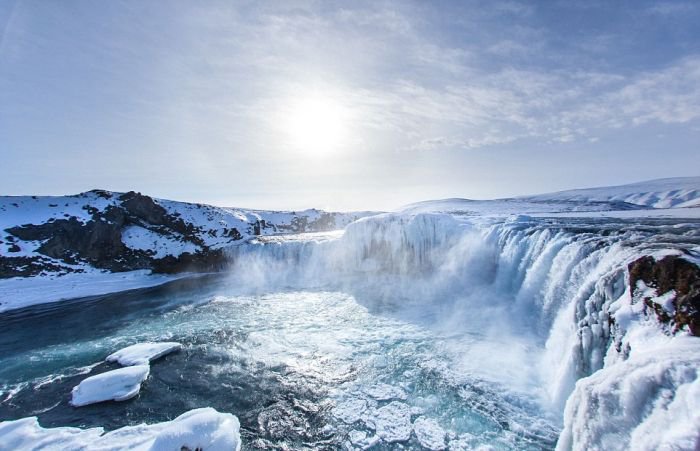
143 353
115 385
204 429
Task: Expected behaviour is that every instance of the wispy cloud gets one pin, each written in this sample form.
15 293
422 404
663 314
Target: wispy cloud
216 79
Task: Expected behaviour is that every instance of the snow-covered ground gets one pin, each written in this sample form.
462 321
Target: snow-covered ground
676 213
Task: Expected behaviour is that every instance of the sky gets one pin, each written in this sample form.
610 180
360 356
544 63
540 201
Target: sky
345 105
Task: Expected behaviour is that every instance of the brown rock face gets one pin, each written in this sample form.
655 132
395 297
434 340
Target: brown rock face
670 273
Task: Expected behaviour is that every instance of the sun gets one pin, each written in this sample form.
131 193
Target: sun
317 125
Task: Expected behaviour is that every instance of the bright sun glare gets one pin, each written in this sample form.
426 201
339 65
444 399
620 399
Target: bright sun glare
317 125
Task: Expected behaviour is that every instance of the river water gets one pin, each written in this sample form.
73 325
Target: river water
301 369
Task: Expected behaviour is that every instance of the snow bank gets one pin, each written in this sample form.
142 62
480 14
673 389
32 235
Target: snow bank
143 353
204 429
649 402
115 385
20 292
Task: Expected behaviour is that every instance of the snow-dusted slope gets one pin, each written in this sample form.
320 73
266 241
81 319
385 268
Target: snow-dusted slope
675 192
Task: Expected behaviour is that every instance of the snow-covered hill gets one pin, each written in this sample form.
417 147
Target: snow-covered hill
130 231
677 192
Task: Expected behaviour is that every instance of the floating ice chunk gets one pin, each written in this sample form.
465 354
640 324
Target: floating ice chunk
116 385
385 392
362 440
143 353
203 428
429 433
350 410
392 422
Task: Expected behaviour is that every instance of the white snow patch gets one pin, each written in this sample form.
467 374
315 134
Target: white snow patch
203 428
143 353
115 385
137 237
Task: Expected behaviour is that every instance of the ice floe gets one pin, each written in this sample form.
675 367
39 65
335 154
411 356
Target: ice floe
429 433
350 410
392 423
143 353
115 385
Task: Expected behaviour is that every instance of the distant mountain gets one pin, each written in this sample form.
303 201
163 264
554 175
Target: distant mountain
675 192
127 231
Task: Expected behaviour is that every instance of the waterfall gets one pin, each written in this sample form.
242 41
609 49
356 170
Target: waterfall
563 280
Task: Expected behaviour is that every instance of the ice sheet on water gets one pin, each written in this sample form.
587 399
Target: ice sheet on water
115 385
143 353
429 433
203 428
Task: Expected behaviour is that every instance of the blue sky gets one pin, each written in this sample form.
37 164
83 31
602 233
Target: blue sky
208 101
